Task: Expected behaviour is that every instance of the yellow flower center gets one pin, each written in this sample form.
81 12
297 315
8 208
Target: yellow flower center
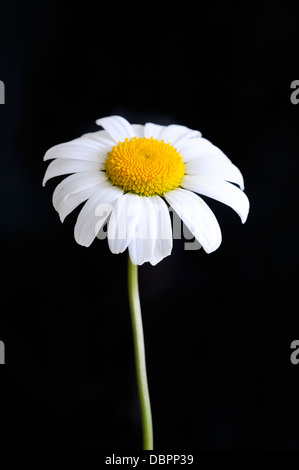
144 166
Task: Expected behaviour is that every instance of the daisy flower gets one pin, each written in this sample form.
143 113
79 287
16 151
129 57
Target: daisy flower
129 174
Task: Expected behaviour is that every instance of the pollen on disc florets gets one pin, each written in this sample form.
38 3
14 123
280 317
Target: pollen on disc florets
145 166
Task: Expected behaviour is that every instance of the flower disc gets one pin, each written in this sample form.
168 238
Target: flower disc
145 166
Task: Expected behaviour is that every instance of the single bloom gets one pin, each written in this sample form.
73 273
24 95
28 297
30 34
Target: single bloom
131 174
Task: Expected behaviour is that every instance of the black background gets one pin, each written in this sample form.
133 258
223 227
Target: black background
218 327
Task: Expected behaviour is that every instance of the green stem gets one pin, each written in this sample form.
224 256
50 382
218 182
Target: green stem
144 400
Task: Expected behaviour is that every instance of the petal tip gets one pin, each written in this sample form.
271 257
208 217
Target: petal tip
244 218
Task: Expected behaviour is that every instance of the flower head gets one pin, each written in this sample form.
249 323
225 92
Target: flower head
127 172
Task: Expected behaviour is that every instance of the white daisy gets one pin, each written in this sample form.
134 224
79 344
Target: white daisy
126 172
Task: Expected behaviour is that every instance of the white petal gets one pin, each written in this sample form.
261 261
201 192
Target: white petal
83 148
74 190
215 166
200 147
101 138
163 245
94 214
63 166
153 130
122 222
138 129
143 239
74 200
195 148
117 127
178 136
75 183
197 216
220 190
